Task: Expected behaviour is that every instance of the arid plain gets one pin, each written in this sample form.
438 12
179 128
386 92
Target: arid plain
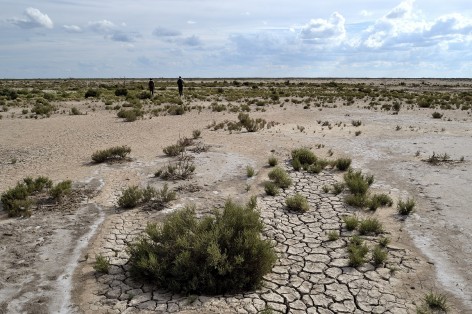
413 136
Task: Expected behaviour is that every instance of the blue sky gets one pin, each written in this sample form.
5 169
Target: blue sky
235 38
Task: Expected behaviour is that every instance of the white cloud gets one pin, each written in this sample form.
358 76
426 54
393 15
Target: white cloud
322 31
103 26
72 28
33 19
165 32
366 13
403 10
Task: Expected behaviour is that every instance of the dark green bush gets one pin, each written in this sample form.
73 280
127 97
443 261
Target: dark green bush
343 163
130 197
357 251
379 200
280 177
271 188
121 92
38 184
297 203
102 264
406 207
370 226
61 189
173 150
273 161
357 183
75 112
113 153
92 93
357 200
379 255
304 155
214 255
351 222
130 115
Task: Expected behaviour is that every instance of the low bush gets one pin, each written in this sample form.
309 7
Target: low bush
351 222
379 200
338 188
297 203
343 164
271 188
121 92
304 155
437 115
436 302
250 171
173 150
406 207
370 226
384 241
217 254
280 177
102 264
379 255
357 251
110 154
61 189
196 134
273 161
179 170
357 183
75 112
92 93
130 197
357 200
130 115
333 235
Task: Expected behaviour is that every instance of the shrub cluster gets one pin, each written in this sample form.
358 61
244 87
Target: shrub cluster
92 93
406 207
130 115
134 196
113 153
214 255
182 169
17 202
297 203
280 177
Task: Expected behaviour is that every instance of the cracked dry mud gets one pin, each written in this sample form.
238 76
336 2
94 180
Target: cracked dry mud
312 274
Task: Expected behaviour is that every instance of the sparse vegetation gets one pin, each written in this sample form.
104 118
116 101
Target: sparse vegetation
343 163
111 154
273 161
250 171
102 264
297 203
370 226
280 177
271 188
351 222
333 235
60 190
379 255
406 207
357 251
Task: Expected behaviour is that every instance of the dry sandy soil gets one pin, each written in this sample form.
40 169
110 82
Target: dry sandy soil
44 257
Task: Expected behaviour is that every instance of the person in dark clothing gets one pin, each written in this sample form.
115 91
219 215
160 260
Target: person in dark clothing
151 86
180 84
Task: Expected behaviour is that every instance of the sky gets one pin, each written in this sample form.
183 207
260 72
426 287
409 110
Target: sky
235 38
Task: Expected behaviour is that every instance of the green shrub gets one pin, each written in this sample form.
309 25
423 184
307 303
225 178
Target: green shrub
173 150
130 197
357 251
356 200
297 203
370 226
271 188
196 134
280 177
315 168
333 235
75 112
357 183
130 115
436 302
102 264
405 208
304 155
273 161
61 189
214 255
384 241
113 153
356 123
379 255
338 188
379 200
180 170
343 164
351 222
250 171
437 115
121 92
144 95
296 164
92 93
15 201
38 184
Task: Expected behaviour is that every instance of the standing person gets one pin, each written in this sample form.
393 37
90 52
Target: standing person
180 84
151 86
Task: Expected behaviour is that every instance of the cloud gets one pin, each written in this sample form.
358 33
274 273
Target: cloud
403 10
33 19
192 41
165 32
121 37
323 31
102 27
72 28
